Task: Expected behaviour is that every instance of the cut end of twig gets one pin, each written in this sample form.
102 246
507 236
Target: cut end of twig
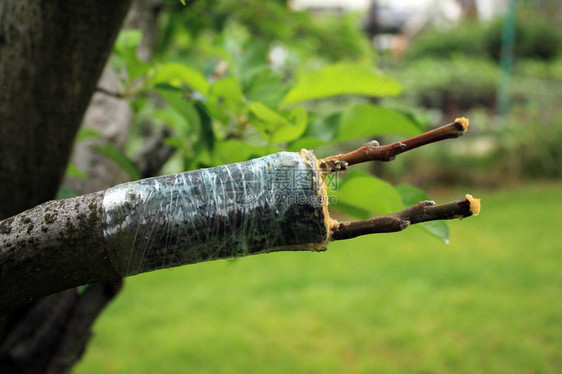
463 122
474 204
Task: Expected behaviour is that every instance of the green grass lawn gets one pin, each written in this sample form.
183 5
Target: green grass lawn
489 302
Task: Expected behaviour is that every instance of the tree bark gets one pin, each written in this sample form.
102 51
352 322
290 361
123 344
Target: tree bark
51 56
66 235
51 335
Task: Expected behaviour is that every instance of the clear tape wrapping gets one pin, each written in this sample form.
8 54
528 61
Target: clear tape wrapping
267 204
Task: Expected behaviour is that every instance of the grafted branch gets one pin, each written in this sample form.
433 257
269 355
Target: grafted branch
228 211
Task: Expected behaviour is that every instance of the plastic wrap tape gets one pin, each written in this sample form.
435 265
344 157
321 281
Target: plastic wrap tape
266 204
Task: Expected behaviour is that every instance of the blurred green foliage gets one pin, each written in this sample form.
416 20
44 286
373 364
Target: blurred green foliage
462 81
267 22
467 38
455 71
536 37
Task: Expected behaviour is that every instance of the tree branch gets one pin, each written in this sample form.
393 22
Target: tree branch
52 334
203 215
372 151
107 92
229 211
155 152
52 247
421 212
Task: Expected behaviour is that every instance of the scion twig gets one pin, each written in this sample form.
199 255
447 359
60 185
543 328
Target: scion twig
372 151
421 212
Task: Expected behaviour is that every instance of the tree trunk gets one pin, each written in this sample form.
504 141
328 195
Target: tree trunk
469 8
51 56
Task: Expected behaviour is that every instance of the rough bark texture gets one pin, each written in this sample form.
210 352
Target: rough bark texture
51 56
65 235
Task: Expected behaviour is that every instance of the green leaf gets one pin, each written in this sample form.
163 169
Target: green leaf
183 2
180 143
126 49
194 112
317 133
228 88
275 127
267 121
368 120
304 142
182 106
73 171
341 79
267 87
297 124
248 57
324 128
234 150
179 75
127 39
227 92
206 134
410 196
171 117
365 192
352 210
87 133
119 158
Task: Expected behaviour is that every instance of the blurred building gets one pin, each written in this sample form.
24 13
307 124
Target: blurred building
391 24
395 11
331 5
